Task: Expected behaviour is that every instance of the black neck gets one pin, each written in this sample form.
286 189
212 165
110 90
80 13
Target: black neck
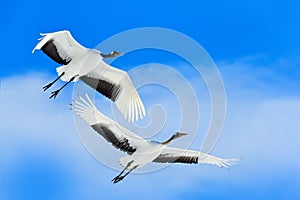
169 140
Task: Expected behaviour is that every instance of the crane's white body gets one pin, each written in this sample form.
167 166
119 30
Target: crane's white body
87 64
141 151
81 65
143 155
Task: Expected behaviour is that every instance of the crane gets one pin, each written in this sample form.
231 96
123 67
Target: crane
87 65
140 151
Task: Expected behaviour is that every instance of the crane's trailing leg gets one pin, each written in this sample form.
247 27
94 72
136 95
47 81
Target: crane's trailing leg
50 84
120 177
55 93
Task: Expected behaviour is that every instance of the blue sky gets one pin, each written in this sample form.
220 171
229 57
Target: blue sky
256 47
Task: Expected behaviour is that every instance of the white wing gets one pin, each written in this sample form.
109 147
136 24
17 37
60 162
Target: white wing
59 46
118 136
176 155
116 85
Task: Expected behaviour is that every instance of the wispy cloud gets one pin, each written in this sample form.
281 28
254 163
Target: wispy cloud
38 133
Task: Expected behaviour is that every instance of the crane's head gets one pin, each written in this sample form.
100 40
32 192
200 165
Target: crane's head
173 137
115 53
111 54
178 134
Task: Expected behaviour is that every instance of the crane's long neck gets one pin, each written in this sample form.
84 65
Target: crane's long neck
176 135
169 140
110 55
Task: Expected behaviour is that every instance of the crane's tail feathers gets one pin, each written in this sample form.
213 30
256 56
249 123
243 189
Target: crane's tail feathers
61 69
126 161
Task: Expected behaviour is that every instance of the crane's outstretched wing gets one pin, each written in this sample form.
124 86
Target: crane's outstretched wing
111 131
176 155
116 85
59 46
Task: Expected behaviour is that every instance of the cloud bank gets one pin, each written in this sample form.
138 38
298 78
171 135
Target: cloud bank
43 158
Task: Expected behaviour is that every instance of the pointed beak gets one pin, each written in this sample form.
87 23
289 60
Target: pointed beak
181 134
120 53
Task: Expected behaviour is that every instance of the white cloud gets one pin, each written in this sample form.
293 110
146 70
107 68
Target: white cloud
263 129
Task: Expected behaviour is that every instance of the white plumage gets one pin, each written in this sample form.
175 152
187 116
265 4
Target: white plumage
140 151
88 65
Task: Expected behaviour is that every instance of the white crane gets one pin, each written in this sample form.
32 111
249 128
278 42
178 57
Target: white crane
88 65
140 151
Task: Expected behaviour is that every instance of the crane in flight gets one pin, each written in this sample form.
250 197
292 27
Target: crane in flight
140 151
87 65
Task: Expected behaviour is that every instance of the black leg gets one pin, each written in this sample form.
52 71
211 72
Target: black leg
117 177
50 84
128 172
55 93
